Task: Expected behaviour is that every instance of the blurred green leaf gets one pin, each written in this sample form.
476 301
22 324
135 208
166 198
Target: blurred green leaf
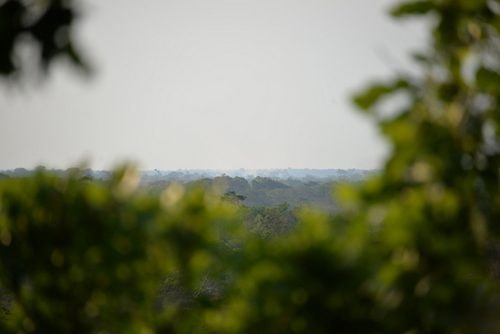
488 80
49 23
374 93
413 8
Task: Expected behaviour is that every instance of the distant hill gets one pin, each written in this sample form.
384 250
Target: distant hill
260 187
187 175
305 174
261 191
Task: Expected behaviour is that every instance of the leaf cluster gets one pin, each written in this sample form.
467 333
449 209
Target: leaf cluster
80 257
44 26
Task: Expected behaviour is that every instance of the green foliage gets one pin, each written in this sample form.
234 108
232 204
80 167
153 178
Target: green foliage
44 26
266 192
414 251
269 222
233 197
414 8
265 183
80 256
226 183
378 91
438 197
488 81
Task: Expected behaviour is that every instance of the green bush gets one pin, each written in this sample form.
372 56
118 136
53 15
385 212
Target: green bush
81 257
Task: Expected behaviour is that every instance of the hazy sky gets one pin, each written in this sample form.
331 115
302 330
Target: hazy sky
212 84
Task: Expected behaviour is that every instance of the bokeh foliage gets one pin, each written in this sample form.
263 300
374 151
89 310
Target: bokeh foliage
81 257
414 251
44 27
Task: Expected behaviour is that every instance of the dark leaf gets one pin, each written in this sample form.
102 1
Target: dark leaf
413 8
371 96
488 80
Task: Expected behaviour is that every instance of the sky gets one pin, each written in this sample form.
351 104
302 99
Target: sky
212 84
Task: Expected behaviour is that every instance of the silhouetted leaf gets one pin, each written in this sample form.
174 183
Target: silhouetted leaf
374 93
413 8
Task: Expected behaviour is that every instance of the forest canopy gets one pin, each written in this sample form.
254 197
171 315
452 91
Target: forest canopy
415 249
